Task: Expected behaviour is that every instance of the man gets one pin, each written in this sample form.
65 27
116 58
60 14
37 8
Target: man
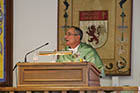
80 51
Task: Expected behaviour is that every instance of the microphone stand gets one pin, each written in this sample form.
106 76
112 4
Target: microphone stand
25 60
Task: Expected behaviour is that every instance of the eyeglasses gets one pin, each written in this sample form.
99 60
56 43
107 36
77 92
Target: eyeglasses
69 34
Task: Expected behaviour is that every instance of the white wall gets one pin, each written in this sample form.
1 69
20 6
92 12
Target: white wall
35 23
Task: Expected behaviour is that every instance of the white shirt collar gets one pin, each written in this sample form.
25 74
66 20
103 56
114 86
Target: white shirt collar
74 50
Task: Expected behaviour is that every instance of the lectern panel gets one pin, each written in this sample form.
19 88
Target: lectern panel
52 75
55 74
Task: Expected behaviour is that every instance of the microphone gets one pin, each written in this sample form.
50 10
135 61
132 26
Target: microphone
25 59
85 60
15 66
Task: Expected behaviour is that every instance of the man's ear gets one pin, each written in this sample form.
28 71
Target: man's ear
78 37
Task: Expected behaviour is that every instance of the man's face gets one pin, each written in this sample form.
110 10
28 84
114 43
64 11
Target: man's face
72 38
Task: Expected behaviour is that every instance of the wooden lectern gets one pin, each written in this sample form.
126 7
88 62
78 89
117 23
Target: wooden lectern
58 74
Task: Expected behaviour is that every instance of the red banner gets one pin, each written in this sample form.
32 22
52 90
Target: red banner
93 15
